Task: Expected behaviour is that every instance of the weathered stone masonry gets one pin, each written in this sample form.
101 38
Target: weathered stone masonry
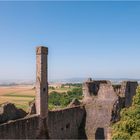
103 103
25 128
41 82
42 91
62 124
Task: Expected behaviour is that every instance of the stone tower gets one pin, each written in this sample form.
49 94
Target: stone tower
41 82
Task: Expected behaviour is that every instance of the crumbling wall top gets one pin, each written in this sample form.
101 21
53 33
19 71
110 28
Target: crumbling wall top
91 87
41 50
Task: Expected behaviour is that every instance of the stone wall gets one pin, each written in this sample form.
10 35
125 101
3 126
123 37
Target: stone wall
99 109
9 111
128 90
103 103
63 124
91 88
25 128
67 124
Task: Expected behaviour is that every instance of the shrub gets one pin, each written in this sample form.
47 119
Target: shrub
129 125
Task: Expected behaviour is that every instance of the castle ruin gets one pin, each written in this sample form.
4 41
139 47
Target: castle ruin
101 107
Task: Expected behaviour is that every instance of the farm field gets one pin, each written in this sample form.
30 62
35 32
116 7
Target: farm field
21 95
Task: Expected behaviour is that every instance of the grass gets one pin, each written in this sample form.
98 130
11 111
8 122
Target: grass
24 107
18 95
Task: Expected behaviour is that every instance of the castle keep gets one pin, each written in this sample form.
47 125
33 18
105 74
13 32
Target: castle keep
100 107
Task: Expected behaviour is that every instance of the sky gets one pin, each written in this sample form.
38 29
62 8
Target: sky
85 39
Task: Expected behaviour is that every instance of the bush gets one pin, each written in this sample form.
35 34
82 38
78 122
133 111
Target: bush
135 136
129 125
121 136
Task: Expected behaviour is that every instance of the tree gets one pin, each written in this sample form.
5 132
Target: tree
128 128
61 100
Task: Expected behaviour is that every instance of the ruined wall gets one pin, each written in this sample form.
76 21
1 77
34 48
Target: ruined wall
91 88
41 82
128 90
98 108
103 103
9 111
25 128
63 124
67 123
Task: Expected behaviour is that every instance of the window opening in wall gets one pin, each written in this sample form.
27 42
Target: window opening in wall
68 125
99 135
44 89
129 88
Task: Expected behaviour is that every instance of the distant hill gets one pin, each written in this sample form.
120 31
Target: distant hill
67 80
81 80
16 82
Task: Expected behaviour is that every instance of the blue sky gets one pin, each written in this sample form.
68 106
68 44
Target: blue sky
85 39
